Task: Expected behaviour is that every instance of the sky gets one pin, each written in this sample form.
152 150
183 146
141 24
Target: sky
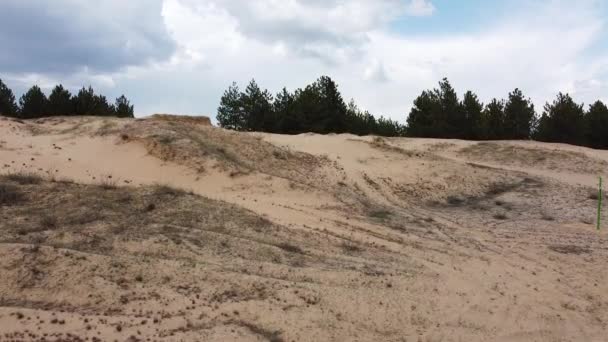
178 56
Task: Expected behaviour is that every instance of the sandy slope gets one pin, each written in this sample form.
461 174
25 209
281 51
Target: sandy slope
361 238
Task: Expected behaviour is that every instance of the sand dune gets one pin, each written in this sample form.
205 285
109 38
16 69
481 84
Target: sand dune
170 229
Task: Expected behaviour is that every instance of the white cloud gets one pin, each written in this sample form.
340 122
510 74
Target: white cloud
420 8
541 48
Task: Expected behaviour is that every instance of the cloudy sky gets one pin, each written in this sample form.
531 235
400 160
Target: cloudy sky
178 56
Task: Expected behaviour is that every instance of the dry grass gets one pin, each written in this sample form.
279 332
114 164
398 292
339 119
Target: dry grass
545 158
202 147
24 177
10 194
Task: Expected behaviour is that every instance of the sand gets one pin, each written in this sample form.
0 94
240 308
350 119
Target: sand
295 238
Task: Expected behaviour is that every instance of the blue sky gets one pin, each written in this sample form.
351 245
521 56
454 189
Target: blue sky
178 56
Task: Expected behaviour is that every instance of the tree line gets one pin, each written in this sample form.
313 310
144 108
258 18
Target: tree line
317 108
436 113
35 104
439 113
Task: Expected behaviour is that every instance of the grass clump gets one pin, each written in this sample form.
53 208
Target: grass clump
290 248
24 178
161 190
9 194
380 214
500 216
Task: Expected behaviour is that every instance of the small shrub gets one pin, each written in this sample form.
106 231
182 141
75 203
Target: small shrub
500 216
166 139
48 222
108 183
167 190
380 214
499 188
24 178
547 217
350 247
455 200
9 194
290 248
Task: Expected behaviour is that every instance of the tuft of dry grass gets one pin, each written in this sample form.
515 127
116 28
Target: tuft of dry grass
500 216
161 190
10 194
380 214
24 177
290 248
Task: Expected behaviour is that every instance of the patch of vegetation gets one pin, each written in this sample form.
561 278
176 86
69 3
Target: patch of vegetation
48 222
380 214
290 248
161 190
108 183
500 216
10 194
24 178
570 249
547 217
455 200
350 247
269 335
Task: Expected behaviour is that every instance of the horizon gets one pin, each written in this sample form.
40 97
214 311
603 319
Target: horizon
180 55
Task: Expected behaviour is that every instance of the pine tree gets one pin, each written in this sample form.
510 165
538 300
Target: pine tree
425 117
33 104
563 120
60 102
85 102
230 113
282 106
8 106
519 116
102 107
123 108
257 106
473 109
493 120
597 125
332 107
452 112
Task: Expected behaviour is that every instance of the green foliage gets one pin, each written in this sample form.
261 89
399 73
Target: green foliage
473 109
89 103
257 104
8 106
597 125
318 108
493 119
438 113
60 102
230 113
123 108
519 116
424 119
563 121
33 104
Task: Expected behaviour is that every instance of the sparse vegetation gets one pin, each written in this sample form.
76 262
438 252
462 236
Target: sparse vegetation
10 194
381 214
24 177
290 248
500 216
